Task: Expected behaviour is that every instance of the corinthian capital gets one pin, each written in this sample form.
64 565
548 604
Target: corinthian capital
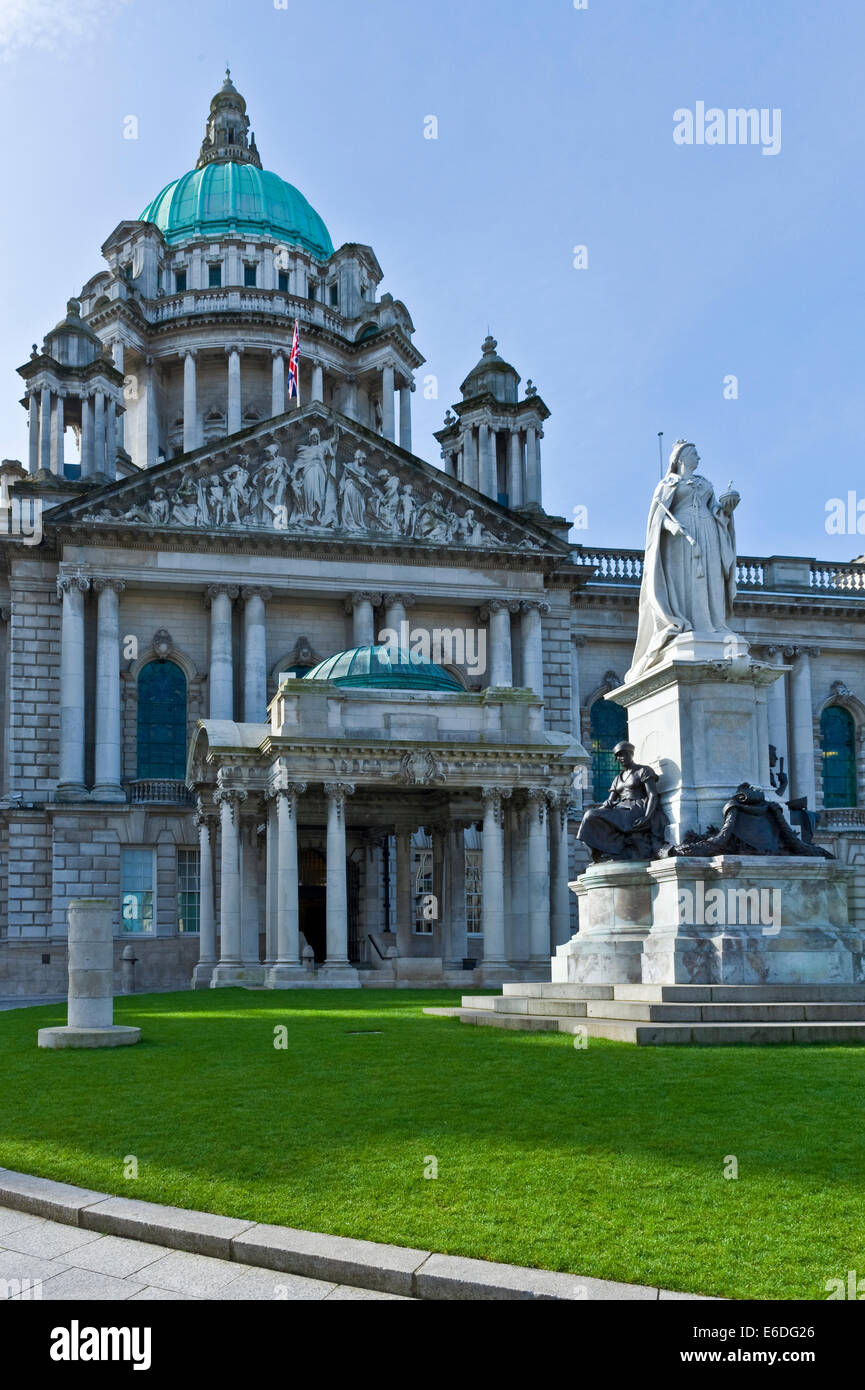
215 590
495 797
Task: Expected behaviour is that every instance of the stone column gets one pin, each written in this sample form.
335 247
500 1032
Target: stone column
515 470
33 425
86 436
190 401
249 904
270 885
372 913
498 612
387 413
533 466
518 915
57 435
99 431
337 886
221 680
470 459
45 430
277 389
487 463
230 970
456 918
90 1011
234 402
405 418
560 894
107 766
362 607
118 353
110 438
776 699
72 589
255 655
493 866
395 606
802 774
532 644
317 381
287 968
203 972
404 904
539 879
577 642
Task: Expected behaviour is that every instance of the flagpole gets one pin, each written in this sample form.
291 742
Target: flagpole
661 451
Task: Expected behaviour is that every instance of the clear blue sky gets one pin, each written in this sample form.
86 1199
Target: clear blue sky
555 129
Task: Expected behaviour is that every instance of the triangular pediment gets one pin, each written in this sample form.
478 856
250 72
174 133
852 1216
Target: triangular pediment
310 475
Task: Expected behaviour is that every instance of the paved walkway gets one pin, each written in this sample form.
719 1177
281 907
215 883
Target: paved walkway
66 1262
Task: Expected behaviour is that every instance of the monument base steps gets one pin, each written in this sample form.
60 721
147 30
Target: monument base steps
659 1015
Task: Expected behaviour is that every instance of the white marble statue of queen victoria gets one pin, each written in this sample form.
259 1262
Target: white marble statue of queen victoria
689 567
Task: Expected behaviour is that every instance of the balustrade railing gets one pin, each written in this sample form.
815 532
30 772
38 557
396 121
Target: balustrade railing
167 790
612 566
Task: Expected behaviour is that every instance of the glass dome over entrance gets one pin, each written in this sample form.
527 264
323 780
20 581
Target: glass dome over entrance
385 667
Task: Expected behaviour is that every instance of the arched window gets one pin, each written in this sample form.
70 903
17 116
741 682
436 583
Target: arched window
838 746
609 723
161 720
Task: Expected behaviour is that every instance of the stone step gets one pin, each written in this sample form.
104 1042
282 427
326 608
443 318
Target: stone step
744 1012
510 1004
550 991
738 994
657 1034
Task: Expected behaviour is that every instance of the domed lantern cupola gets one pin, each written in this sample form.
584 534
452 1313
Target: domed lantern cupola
227 136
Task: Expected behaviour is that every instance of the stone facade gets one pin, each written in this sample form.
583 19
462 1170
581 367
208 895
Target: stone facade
214 529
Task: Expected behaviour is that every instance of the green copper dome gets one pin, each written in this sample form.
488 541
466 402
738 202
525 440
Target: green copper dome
225 197
379 666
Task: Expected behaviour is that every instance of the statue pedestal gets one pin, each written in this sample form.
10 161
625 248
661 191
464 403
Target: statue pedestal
772 919
704 725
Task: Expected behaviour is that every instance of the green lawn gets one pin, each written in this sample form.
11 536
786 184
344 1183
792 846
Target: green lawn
605 1162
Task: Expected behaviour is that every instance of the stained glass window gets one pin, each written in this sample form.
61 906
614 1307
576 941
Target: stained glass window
838 746
161 720
609 724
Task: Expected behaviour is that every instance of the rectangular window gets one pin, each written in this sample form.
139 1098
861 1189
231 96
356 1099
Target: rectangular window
283 281
313 289
474 893
214 276
136 880
422 878
188 892
180 281
250 276
334 294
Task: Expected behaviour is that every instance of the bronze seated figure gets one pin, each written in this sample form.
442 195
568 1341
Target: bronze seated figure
630 823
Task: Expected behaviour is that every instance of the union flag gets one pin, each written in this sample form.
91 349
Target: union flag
294 366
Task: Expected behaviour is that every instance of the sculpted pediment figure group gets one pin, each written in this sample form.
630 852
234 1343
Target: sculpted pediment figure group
313 490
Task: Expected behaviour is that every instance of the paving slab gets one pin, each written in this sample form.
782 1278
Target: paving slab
51 1239
88 1284
186 1273
114 1255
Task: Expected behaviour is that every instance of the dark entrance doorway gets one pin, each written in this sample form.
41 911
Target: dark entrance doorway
312 904
312 901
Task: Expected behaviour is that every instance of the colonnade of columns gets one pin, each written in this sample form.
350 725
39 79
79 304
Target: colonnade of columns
192 434
524 879
220 598
793 734
475 461
47 424
498 613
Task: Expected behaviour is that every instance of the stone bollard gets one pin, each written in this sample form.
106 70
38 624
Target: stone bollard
90 1011
128 962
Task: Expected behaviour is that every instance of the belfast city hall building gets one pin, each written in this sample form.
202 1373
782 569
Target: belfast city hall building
305 708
